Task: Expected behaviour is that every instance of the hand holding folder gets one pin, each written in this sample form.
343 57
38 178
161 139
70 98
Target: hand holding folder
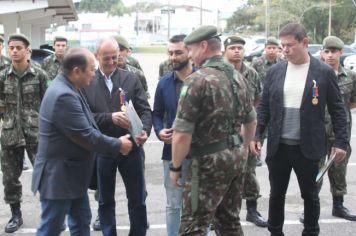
325 168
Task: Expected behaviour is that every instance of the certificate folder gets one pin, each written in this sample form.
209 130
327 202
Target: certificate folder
136 123
325 169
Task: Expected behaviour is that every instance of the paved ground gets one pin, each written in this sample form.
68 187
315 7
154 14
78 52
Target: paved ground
330 225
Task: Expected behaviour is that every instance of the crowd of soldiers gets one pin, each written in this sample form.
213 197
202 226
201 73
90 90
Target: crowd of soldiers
209 86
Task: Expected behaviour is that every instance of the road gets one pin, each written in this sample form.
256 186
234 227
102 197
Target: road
330 225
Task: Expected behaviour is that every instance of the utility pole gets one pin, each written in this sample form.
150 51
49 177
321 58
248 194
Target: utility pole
201 12
329 28
267 18
169 22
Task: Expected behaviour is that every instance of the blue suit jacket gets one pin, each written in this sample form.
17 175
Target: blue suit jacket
312 117
68 138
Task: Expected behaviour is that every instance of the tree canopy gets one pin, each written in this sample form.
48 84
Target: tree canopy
313 14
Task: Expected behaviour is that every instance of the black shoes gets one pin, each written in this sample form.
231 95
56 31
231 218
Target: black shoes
340 211
253 215
16 220
96 224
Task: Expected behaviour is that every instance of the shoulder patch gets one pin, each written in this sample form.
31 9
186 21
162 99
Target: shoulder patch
183 91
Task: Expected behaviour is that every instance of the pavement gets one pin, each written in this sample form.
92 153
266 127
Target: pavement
330 226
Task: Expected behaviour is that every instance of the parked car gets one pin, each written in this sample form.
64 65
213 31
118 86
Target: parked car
350 62
254 47
314 49
39 54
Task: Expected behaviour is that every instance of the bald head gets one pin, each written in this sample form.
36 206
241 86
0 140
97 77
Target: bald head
79 66
107 55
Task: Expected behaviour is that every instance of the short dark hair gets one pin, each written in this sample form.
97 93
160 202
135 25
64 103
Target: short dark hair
295 29
177 38
214 44
74 57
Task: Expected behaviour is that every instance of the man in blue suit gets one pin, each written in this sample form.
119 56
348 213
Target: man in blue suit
68 138
295 95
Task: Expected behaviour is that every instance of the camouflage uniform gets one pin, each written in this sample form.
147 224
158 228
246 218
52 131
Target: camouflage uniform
51 65
251 189
164 68
133 62
20 97
261 65
140 75
4 62
337 173
214 177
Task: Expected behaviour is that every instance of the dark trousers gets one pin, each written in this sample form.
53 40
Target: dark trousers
280 166
131 170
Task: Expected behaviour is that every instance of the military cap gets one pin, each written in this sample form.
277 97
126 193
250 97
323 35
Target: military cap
60 39
122 41
205 32
333 42
272 41
19 37
1 39
234 40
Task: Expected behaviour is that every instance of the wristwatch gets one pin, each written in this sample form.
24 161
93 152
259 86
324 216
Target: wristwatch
174 169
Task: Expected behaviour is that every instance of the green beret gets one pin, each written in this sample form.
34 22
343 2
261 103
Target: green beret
1 39
122 41
19 37
60 39
205 32
333 42
234 40
272 41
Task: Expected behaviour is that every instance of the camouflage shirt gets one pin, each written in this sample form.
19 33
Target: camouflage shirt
140 75
133 62
4 62
164 68
261 65
205 105
20 99
347 86
51 65
253 82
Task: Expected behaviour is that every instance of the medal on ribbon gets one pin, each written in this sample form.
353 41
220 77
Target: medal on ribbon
122 100
315 99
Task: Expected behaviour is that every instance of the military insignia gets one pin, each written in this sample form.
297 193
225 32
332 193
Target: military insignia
183 91
315 94
122 100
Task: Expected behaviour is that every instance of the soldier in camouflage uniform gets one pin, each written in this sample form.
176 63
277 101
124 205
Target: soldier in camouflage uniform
52 63
263 63
331 52
213 105
130 60
122 62
22 87
164 68
234 53
4 61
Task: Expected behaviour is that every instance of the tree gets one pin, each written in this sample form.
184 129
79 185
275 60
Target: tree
98 6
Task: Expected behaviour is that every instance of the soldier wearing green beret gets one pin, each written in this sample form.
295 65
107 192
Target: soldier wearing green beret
22 87
124 62
213 105
52 63
271 57
4 61
330 54
234 53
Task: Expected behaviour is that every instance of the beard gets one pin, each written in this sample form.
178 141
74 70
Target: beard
180 65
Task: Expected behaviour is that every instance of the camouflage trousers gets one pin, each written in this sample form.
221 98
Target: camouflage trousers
251 190
336 173
11 165
210 194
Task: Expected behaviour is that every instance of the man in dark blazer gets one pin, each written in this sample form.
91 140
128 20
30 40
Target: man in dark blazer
110 89
68 138
295 95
